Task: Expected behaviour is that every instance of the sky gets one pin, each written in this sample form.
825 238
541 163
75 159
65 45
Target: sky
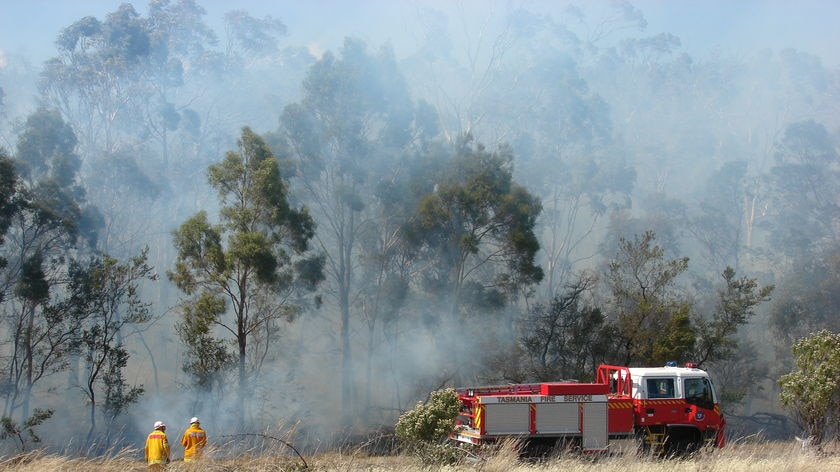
807 25
29 27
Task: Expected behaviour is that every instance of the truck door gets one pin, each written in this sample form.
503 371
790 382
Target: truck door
698 392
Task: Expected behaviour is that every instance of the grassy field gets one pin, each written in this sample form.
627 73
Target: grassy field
762 457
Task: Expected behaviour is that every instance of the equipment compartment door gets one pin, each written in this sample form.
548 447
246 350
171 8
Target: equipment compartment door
507 418
555 418
594 427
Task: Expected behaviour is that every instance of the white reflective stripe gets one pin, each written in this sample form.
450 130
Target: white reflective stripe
572 398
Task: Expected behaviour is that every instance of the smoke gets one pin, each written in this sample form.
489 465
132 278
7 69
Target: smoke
567 83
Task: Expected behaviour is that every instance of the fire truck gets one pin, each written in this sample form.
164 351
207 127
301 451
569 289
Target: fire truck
660 410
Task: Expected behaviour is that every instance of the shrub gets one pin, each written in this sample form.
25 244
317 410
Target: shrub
811 392
424 431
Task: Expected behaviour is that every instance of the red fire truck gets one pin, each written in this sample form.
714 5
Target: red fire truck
664 409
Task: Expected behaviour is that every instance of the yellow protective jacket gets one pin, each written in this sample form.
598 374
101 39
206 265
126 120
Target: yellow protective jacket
194 440
157 448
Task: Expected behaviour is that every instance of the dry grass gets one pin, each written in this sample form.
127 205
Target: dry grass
761 457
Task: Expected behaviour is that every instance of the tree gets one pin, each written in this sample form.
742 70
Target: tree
563 132
721 344
9 204
736 305
256 260
476 226
806 181
348 134
177 40
207 357
252 35
811 392
123 84
808 296
48 221
104 294
94 79
653 322
24 431
474 231
565 338
720 223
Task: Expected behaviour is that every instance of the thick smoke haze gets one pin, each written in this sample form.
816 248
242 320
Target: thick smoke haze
705 27
672 115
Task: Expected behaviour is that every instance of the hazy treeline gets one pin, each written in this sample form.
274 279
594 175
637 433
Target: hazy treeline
223 224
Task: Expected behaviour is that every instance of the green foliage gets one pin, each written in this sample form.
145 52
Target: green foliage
46 148
9 204
652 321
431 421
206 355
811 392
676 339
808 296
105 294
42 214
736 305
32 285
24 432
49 195
118 394
561 338
806 181
476 223
246 272
424 431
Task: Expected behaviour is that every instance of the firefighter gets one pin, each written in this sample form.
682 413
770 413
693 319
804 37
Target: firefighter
194 440
157 447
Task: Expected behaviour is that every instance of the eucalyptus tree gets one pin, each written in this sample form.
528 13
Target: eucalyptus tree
807 297
720 224
806 183
474 229
562 129
105 298
178 40
566 337
348 132
50 223
9 205
114 80
121 83
653 321
539 100
389 264
736 303
717 333
94 79
246 273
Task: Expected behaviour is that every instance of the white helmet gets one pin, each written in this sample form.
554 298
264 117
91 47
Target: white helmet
194 419
159 425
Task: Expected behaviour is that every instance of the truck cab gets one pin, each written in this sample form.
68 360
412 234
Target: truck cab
674 408
689 383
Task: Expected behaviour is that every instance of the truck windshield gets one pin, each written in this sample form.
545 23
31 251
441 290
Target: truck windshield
698 391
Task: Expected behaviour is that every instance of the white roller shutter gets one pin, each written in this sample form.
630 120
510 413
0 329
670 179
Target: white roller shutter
594 426
507 418
553 418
